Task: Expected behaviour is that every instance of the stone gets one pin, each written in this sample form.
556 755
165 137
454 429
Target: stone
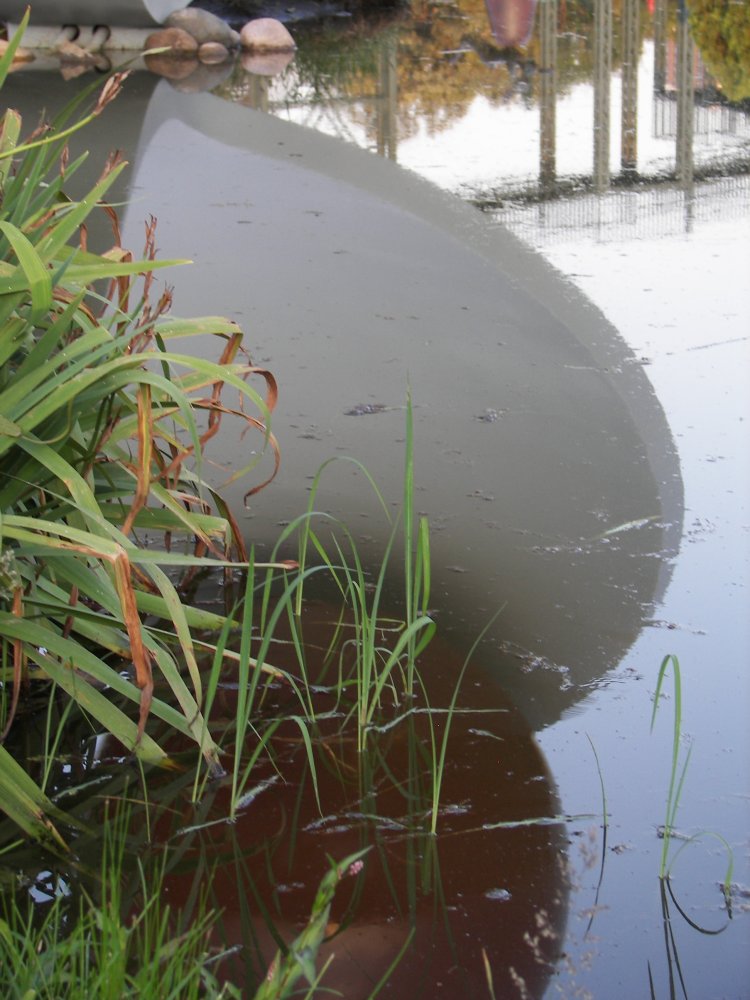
176 40
212 53
171 66
19 56
266 34
266 63
204 27
76 60
203 78
74 53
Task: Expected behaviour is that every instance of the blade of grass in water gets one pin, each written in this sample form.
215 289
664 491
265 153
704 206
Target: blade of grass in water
677 777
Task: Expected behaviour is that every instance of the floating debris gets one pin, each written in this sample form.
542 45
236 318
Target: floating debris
639 522
489 416
501 895
252 793
486 732
365 409
455 809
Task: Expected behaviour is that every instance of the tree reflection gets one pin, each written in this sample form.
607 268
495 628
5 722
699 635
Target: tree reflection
420 76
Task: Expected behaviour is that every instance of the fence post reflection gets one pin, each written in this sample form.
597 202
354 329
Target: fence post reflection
547 101
685 114
254 92
602 72
386 124
629 152
660 46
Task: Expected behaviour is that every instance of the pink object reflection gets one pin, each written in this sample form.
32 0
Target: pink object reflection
512 21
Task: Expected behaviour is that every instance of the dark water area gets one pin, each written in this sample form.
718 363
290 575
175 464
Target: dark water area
493 878
546 239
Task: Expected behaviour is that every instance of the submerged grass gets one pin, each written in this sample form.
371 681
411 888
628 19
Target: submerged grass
103 943
379 667
297 961
91 948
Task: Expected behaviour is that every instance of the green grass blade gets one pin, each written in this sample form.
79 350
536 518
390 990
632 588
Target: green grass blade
25 803
37 276
7 60
10 129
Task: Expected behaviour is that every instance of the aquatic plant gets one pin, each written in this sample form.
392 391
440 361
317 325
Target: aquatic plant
298 959
53 946
378 665
668 832
108 941
102 428
248 665
372 655
677 774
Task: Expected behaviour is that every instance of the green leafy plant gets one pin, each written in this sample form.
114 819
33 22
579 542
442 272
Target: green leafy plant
102 430
103 424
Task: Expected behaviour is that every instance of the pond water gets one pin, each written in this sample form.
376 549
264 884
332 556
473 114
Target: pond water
560 277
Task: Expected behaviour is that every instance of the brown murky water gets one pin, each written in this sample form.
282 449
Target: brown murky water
493 879
578 361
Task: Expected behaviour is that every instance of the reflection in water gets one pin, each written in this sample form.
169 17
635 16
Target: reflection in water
547 474
543 458
630 60
548 470
512 21
547 98
373 106
492 884
601 82
491 887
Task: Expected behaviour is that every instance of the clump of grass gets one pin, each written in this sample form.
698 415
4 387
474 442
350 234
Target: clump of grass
105 943
93 948
103 425
376 655
378 666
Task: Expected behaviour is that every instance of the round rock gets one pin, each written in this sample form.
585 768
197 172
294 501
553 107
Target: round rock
266 34
171 66
175 39
212 53
204 77
204 27
266 63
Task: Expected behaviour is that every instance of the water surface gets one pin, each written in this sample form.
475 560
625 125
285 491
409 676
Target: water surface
578 361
